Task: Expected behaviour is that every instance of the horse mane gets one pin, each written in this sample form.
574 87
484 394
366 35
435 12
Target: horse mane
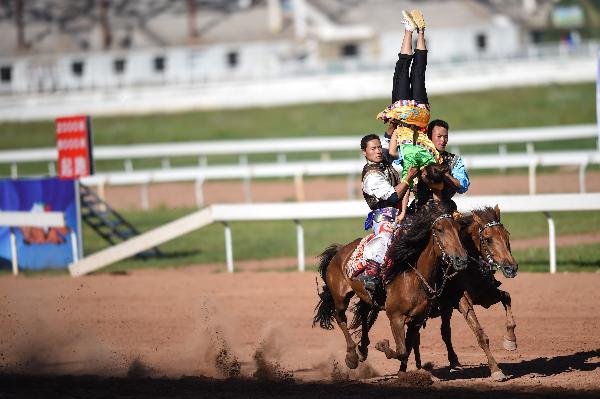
413 236
487 214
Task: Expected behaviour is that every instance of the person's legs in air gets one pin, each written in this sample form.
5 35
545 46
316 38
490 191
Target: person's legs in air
417 73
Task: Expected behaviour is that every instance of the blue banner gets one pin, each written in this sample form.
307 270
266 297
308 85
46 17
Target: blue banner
40 248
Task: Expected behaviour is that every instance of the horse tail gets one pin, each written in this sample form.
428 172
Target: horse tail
325 259
325 309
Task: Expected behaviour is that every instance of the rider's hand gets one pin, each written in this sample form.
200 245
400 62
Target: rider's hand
412 173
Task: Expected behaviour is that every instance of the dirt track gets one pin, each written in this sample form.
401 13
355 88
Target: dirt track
166 324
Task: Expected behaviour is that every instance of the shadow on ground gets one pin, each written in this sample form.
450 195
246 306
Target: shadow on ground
541 367
19 386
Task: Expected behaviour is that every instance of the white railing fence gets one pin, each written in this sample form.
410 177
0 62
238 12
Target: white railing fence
298 212
241 149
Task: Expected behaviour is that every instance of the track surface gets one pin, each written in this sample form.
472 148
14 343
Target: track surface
172 323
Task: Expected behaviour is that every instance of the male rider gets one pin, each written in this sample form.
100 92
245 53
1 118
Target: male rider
455 181
383 191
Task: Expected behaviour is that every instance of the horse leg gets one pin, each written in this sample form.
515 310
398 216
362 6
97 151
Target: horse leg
397 324
510 339
417 349
447 338
466 308
368 320
340 318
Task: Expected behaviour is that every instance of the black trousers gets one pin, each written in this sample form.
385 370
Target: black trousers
409 83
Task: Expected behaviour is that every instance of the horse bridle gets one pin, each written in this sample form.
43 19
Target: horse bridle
489 259
435 293
437 240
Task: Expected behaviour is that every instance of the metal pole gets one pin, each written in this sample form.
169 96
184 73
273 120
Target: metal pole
13 250
228 247
165 163
300 241
552 242
13 170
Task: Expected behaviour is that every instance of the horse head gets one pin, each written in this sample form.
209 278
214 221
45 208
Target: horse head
491 240
445 231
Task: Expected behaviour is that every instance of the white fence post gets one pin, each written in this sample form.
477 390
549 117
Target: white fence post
502 151
145 196
299 186
552 242
74 250
300 241
199 192
13 250
532 167
228 247
582 168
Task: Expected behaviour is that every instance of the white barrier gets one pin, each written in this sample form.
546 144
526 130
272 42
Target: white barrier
299 170
28 219
319 210
243 148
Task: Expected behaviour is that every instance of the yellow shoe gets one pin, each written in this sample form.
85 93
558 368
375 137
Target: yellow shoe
417 17
408 21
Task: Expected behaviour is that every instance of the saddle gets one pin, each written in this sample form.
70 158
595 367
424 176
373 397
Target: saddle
356 265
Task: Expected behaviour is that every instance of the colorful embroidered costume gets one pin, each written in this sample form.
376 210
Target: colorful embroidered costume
411 118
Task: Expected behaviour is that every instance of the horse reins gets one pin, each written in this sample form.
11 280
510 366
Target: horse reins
434 293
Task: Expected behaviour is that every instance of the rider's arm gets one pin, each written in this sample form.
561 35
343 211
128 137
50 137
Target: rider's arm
405 199
377 186
459 177
393 144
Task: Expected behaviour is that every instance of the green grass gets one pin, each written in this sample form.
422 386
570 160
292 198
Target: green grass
504 108
578 258
266 240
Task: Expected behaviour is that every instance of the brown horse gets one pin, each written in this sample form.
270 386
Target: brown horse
428 239
487 243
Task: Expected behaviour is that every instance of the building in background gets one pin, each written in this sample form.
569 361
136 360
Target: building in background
73 45
111 56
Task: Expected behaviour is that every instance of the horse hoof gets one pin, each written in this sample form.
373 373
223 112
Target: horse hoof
499 376
383 345
352 360
456 368
362 355
509 345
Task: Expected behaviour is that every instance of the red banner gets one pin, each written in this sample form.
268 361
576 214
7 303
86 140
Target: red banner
74 144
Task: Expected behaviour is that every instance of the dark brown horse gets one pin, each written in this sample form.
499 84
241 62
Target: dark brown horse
487 243
488 246
418 253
